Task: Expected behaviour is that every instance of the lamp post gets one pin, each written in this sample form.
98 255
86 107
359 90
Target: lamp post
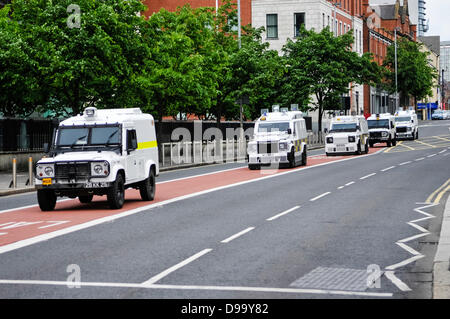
443 90
396 70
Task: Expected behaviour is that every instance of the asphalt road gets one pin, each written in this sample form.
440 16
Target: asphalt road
315 232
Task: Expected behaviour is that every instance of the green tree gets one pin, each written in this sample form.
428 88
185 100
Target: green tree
325 66
94 58
416 77
20 85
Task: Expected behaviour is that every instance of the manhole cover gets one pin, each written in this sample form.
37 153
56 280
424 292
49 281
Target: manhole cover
334 279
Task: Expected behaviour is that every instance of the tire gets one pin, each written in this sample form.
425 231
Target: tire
371 144
417 134
394 142
304 157
85 199
148 187
359 152
291 158
366 149
253 167
389 143
46 199
116 193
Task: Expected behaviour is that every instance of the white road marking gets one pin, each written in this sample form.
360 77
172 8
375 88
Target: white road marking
429 156
420 159
394 279
283 213
405 262
30 206
65 231
367 176
350 183
443 151
404 163
387 169
320 196
193 287
175 267
227 240
340 187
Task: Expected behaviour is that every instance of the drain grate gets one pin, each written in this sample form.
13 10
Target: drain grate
333 279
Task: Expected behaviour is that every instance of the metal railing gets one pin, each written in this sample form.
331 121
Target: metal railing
210 152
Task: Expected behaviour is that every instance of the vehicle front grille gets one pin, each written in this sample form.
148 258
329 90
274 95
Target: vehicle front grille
267 148
401 129
340 140
375 134
72 170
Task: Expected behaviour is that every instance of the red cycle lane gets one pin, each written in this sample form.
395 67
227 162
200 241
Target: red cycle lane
26 223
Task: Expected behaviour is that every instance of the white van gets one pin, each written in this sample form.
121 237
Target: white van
101 152
279 138
406 125
347 134
382 129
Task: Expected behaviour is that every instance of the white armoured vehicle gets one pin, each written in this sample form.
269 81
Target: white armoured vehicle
101 152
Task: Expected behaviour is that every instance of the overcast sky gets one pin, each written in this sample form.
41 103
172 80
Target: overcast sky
438 11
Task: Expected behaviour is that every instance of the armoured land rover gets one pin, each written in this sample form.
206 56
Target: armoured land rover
280 137
382 129
407 125
347 134
99 152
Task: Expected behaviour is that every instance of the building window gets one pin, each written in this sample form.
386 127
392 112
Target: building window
299 20
272 26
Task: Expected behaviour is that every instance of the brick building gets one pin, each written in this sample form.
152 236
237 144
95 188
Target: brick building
171 5
378 35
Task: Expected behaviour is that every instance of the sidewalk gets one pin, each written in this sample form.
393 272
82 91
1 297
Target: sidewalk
441 267
5 181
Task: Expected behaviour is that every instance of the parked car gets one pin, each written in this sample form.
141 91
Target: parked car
439 115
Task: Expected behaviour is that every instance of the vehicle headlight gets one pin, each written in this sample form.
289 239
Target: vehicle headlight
283 146
45 170
329 140
351 139
384 134
100 168
409 129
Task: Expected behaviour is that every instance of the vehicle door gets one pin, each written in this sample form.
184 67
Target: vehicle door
132 161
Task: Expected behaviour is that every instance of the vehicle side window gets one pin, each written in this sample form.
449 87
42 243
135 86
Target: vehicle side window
131 140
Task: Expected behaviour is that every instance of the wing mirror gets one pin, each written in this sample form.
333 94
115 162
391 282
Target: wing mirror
46 148
289 131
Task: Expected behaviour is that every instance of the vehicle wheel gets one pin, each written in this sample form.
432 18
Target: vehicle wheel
46 199
304 157
366 149
253 167
86 199
389 143
358 152
291 158
371 144
394 142
417 135
147 187
116 193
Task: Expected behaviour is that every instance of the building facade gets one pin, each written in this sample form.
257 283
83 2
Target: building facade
282 21
382 23
172 5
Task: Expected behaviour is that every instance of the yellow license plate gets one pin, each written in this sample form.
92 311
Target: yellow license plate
46 181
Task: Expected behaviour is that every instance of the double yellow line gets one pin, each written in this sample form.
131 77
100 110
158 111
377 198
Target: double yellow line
438 193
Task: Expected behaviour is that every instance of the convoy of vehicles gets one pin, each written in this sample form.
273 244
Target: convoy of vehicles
279 138
347 134
104 152
441 115
406 125
101 152
382 129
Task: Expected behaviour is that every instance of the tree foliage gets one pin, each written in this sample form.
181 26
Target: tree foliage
415 75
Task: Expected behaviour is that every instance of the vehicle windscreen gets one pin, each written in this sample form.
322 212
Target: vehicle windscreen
273 127
343 127
378 124
403 119
88 136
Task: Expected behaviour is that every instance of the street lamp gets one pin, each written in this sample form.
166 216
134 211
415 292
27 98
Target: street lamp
396 70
